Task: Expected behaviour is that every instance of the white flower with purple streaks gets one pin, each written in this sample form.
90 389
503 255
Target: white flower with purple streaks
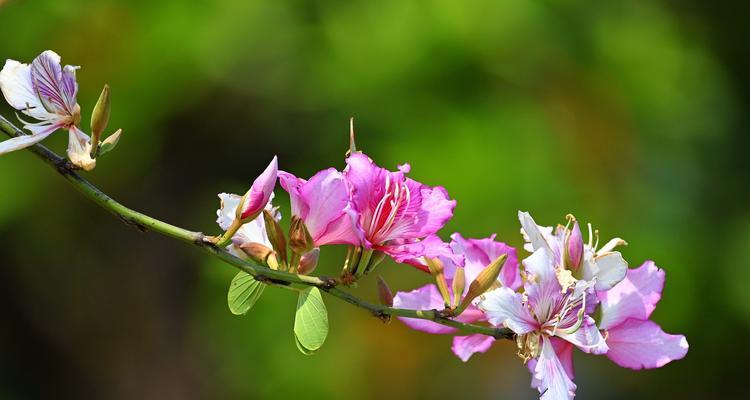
635 341
544 314
601 269
46 91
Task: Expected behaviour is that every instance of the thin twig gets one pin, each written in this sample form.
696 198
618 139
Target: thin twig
146 223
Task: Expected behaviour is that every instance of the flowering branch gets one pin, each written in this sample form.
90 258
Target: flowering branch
264 274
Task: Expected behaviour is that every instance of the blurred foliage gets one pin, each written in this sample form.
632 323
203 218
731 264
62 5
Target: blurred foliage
631 115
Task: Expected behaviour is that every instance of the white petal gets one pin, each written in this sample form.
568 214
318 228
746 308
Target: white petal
550 375
505 308
587 337
79 149
22 142
611 270
532 232
15 83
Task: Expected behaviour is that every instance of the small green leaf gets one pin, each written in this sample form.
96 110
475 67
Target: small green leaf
244 291
311 321
302 348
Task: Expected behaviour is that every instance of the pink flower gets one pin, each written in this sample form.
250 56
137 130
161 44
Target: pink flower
479 253
46 91
260 192
475 254
393 213
634 341
541 317
323 205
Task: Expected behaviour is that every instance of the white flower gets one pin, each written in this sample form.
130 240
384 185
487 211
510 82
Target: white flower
601 269
46 91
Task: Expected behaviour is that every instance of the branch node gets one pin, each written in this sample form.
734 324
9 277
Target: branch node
328 282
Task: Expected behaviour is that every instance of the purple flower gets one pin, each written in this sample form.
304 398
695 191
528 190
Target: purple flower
46 91
322 203
634 341
545 313
393 213
476 254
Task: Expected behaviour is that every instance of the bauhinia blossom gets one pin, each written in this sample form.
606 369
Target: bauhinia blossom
250 232
600 268
544 317
634 341
394 214
46 91
249 207
256 199
476 254
323 204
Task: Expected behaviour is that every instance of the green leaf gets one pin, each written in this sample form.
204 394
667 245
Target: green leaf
244 291
302 348
311 321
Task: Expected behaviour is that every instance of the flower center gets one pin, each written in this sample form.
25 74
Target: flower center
528 346
396 197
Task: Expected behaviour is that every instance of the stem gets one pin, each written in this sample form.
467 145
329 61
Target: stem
270 276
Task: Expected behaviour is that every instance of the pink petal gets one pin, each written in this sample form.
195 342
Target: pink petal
424 298
327 198
363 175
634 297
260 191
640 344
323 203
292 185
478 253
465 346
550 376
435 211
505 308
430 247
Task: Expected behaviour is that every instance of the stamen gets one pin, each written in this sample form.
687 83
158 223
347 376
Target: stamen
596 234
591 235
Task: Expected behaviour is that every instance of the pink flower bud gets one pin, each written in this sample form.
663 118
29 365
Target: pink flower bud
257 197
309 261
574 247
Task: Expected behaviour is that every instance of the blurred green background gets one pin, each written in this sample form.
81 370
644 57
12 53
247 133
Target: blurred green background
632 115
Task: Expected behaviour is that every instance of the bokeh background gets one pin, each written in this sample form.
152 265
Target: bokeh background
630 114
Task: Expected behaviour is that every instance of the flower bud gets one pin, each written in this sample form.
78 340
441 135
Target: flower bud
110 143
483 282
275 236
309 261
100 116
384 292
257 252
574 247
437 270
256 199
459 283
300 240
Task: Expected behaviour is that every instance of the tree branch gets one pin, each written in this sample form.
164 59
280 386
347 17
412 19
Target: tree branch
146 223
